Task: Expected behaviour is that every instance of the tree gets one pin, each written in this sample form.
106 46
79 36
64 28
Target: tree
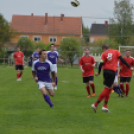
5 32
122 26
99 43
86 33
70 49
26 46
42 45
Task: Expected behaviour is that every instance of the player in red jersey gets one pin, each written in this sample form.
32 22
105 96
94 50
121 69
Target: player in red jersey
109 59
87 64
126 73
19 63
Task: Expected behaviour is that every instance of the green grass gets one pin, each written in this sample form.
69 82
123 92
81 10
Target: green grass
24 111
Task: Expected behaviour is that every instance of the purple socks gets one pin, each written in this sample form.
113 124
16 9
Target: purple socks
117 89
47 99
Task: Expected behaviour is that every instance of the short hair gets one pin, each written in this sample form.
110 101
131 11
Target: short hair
52 45
40 52
105 46
128 50
86 48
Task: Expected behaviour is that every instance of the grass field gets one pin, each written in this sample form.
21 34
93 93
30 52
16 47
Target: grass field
24 111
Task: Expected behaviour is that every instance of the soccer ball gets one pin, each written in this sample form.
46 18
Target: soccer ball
75 3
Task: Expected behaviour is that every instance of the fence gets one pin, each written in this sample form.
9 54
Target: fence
10 61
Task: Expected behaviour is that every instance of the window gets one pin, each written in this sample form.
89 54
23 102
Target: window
91 40
37 38
24 36
53 39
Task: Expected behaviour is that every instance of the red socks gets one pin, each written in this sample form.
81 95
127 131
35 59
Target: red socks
88 90
104 94
93 87
122 88
20 74
127 88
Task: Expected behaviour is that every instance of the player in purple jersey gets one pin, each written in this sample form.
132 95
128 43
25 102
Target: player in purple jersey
41 73
53 56
35 55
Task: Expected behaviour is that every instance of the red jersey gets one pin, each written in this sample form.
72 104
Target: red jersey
18 56
110 59
125 71
86 63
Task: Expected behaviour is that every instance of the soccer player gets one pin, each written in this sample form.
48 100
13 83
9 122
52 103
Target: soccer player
126 73
109 59
41 69
35 55
52 56
87 64
19 63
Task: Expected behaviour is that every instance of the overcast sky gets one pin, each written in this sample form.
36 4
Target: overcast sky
87 8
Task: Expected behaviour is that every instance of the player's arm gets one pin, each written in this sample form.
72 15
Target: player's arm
93 61
81 69
124 62
34 73
80 64
23 61
59 59
100 67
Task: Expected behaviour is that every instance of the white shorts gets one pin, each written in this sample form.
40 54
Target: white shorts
55 67
116 79
45 84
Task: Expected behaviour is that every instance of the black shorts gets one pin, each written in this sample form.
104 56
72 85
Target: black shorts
125 79
109 77
19 67
87 79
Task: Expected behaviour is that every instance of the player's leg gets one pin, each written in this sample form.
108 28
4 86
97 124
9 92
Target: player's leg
55 69
128 79
116 87
91 82
86 81
109 77
88 89
21 70
44 92
122 81
17 72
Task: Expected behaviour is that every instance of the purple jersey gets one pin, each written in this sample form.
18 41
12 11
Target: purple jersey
52 56
35 55
43 70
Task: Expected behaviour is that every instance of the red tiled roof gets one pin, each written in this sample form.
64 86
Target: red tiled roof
36 24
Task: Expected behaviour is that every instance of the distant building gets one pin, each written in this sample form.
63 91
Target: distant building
48 29
98 31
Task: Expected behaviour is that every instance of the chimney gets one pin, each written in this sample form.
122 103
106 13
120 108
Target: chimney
31 14
62 16
46 19
106 23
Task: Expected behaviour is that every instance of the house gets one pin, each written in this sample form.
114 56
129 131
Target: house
98 31
48 29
